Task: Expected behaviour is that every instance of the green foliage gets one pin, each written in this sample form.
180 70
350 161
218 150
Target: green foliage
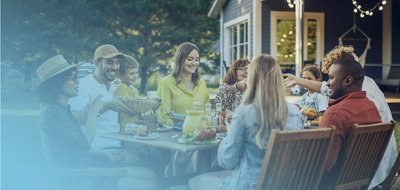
148 30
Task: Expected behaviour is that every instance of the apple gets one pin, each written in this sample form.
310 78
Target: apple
201 135
211 134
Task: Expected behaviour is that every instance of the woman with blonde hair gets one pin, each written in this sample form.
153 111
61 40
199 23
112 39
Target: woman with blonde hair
263 108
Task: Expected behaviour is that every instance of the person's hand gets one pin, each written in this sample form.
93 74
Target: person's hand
117 105
241 85
228 118
114 155
290 80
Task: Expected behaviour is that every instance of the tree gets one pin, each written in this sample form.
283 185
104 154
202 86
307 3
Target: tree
148 30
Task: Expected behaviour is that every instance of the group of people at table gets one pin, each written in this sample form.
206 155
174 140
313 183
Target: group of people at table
77 112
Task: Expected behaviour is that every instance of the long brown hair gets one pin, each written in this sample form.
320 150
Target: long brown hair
231 77
180 55
266 92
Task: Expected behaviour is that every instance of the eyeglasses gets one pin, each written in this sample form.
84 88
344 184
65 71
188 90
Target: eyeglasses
242 68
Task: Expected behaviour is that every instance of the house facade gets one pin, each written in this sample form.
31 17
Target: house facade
251 27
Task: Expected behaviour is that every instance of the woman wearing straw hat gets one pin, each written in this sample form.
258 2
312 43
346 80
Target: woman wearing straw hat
69 143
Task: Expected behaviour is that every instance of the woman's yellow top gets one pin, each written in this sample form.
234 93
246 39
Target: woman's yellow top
177 99
129 91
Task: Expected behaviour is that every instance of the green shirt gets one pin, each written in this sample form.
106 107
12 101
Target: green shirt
177 99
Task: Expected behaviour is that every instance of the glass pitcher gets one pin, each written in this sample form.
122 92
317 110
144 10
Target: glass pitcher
194 120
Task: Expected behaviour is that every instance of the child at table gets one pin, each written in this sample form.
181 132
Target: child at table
312 99
128 74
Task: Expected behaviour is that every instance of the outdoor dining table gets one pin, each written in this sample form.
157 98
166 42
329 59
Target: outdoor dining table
166 140
186 160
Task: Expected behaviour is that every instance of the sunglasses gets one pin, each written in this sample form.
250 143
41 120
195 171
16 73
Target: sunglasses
242 68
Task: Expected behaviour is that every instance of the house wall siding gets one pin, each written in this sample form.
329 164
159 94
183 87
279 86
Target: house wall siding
338 19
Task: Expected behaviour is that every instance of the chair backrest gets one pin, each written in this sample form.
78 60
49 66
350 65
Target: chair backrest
46 149
361 156
294 160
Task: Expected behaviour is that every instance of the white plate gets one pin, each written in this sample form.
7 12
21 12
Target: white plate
164 128
148 137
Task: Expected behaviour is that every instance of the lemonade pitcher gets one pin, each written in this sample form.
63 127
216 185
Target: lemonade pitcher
194 120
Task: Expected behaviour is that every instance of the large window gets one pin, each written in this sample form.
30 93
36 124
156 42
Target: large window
239 41
283 38
236 40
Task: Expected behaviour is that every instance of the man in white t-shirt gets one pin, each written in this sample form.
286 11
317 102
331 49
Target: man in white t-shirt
107 60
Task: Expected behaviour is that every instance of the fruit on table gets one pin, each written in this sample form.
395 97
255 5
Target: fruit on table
310 112
211 134
205 134
201 135
221 129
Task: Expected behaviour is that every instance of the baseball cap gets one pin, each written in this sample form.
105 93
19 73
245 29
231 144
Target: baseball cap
106 51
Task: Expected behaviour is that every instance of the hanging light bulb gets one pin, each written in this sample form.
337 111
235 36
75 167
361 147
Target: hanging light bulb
368 12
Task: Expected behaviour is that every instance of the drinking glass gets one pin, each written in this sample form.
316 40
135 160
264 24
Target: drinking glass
151 123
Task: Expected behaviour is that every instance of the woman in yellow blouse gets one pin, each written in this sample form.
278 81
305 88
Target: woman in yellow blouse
184 85
128 74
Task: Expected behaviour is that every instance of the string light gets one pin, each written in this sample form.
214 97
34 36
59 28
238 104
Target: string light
290 3
367 12
357 7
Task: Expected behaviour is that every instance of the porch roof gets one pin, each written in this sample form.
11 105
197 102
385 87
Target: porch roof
216 8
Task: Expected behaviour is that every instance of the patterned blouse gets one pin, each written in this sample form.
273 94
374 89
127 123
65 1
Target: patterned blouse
229 96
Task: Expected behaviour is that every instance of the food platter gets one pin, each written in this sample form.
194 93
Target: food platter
147 137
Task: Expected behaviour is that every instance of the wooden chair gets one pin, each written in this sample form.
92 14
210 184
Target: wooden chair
87 176
295 160
360 158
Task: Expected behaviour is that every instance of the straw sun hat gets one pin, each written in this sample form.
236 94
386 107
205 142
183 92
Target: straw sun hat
52 67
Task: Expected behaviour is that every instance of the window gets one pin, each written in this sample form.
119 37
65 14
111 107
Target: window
236 39
239 41
283 38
